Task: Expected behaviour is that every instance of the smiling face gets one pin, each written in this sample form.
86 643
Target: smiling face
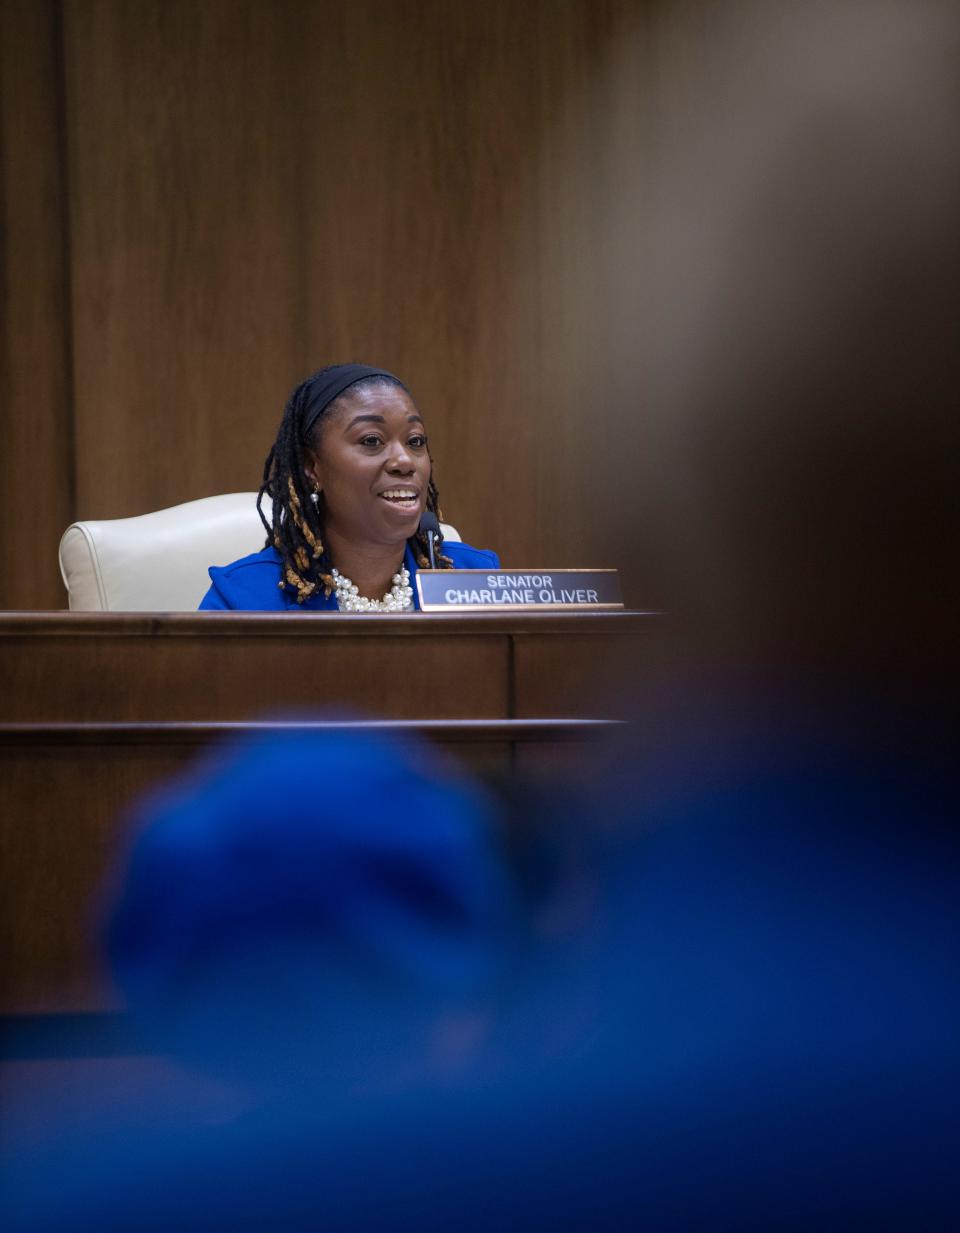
369 457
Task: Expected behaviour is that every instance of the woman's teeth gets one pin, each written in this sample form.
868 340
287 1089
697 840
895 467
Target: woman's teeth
401 496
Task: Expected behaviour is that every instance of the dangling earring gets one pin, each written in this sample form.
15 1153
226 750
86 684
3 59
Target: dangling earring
315 497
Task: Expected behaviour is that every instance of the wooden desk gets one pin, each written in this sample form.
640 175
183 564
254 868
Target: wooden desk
95 708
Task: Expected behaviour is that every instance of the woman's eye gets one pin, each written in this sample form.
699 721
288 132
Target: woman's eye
371 441
417 441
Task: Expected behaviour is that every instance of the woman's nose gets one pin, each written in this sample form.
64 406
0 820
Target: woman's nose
400 461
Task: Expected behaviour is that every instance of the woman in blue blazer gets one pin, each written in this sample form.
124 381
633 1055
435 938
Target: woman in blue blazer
349 476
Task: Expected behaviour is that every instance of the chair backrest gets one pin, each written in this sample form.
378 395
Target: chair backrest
158 562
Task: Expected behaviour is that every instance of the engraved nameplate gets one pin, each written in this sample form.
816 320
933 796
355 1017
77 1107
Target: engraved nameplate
483 590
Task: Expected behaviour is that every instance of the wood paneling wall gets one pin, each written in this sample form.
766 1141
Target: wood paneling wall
206 200
37 495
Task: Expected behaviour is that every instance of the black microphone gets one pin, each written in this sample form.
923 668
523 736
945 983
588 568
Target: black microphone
429 524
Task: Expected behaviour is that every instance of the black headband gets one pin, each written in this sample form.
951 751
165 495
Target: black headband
331 383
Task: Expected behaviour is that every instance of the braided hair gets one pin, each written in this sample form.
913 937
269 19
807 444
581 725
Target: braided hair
296 524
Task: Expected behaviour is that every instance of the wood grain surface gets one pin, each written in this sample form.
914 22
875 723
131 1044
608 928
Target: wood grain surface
237 192
37 495
96 709
66 795
98 668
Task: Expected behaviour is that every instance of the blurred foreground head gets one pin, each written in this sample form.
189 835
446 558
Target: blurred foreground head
780 277
314 899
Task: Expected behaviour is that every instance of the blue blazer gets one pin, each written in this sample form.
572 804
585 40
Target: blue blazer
252 584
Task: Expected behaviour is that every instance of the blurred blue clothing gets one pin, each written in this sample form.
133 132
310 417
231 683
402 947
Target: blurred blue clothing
328 869
252 584
753 962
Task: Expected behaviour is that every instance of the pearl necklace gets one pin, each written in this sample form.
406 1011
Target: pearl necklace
398 599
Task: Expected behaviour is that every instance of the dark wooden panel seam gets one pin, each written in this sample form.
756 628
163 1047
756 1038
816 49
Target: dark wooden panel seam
197 732
241 624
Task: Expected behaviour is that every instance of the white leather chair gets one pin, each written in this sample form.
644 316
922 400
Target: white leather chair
158 562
